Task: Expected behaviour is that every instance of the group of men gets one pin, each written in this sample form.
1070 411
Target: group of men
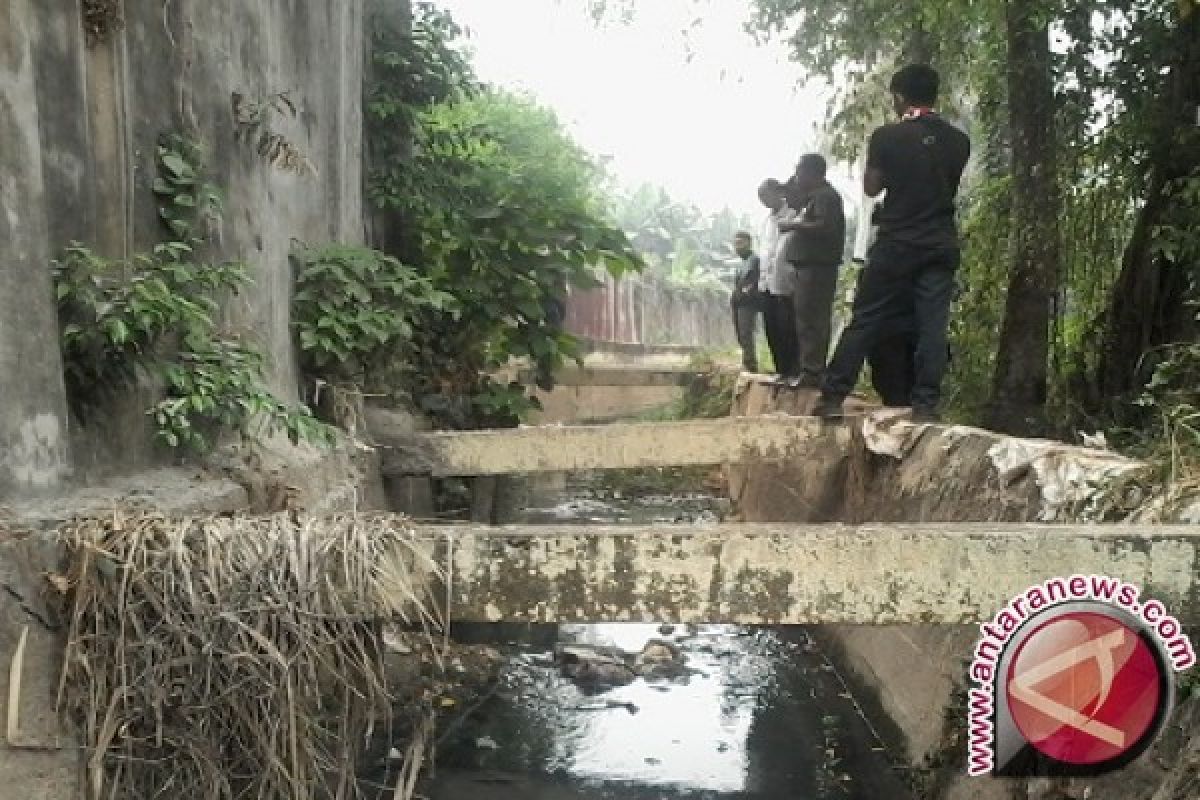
901 307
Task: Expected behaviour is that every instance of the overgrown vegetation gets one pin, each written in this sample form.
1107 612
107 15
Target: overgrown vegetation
356 312
485 192
154 318
235 657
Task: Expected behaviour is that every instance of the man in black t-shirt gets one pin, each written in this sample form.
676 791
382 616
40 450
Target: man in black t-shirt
919 161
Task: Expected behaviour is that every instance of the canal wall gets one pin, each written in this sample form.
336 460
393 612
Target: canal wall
646 311
80 119
911 677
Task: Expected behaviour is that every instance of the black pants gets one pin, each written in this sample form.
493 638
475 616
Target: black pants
745 323
813 310
893 271
779 320
893 368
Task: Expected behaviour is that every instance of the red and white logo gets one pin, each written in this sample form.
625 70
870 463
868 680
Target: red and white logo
1084 688
1075 676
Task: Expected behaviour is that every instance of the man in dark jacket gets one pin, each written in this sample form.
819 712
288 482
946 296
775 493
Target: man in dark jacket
815 253
746 300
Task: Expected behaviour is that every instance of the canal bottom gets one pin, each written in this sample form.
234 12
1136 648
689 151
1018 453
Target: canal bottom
742 713
754 713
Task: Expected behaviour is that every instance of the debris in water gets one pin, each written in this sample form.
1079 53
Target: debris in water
486 743
609 705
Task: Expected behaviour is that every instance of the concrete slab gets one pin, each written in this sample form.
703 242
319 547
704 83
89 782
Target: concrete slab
616 446
800 574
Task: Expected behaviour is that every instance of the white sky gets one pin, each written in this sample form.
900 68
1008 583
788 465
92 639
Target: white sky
709 129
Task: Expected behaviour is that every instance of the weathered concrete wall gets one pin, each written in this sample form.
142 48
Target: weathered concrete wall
638 310
808 489
892 470
679 315
81 126
778 574
33 419
607 393
45 764
587 404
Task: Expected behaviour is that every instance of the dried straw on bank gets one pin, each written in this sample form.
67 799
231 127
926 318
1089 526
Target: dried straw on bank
234 658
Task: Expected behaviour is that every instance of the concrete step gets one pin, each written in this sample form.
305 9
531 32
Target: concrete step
613 446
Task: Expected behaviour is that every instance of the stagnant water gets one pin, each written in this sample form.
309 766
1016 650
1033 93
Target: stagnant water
753 713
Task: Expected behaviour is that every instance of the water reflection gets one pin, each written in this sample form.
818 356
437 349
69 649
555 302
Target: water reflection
758 714
681 735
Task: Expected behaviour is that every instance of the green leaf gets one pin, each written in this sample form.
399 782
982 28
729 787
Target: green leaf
175 163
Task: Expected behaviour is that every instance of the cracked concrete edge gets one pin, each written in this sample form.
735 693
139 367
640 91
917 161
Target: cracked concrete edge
616 446
801 574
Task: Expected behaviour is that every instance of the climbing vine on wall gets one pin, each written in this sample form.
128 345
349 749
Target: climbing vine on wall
154 317
253 125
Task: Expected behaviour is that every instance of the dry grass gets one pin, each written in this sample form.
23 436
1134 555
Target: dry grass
234 658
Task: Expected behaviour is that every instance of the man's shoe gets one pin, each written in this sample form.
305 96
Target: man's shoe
829 408
926 416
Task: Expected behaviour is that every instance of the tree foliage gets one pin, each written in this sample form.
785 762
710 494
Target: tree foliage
680 242
488 196
1125 82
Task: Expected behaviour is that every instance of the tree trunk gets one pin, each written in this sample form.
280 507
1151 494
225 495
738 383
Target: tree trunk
920 47
1019 383
1149 304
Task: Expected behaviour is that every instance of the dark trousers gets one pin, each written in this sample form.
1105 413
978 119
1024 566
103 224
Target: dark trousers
813 310
779 320
893 368
893 271
745 323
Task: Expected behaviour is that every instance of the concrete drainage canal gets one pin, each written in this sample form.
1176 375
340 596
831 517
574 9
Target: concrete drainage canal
869 703
632 711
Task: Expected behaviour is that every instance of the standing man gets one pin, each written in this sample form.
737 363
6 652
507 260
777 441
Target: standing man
777 280
814 253
919 160
745 299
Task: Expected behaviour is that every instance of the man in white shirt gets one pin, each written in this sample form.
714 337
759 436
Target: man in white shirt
777 279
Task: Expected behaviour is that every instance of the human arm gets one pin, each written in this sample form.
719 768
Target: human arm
873 177
820 214
750 284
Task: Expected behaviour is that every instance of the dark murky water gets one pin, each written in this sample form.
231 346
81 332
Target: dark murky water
760 713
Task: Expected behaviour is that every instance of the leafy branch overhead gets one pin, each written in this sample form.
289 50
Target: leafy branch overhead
253 125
